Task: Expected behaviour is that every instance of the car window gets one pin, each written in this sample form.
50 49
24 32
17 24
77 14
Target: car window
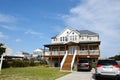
107 62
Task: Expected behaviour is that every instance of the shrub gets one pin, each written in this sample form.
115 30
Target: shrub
6 64
20 63
23 63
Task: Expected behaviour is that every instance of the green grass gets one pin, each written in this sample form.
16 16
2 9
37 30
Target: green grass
31 73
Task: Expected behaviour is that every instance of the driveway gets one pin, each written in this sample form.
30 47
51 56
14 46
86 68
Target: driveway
79 76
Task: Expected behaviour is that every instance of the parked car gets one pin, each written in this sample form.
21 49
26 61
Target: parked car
107 68
84 64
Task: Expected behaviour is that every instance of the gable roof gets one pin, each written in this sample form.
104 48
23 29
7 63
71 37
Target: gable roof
61 32
86 32
80 32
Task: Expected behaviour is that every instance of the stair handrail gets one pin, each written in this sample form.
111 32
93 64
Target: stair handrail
73 60
63 60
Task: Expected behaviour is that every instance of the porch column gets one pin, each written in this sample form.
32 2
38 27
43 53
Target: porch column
44 54
99 49
59 54
78 53
65 49
88 49
51 56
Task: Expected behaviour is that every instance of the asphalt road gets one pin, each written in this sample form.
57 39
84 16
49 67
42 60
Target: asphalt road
82 75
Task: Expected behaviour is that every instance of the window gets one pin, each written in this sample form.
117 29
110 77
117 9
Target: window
75 37
70 37
90 38
83 48
55 50
63 38
55 39
60 38
82 37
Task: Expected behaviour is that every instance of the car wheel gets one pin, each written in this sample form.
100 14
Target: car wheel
97 77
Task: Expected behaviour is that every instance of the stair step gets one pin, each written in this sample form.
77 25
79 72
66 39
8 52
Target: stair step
67 63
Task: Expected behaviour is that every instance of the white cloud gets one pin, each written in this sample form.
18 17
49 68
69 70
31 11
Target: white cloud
18 40
102 16
8 27
7 18
34 33
2 35
8 21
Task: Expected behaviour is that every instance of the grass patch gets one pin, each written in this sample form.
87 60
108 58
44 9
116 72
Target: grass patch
31 73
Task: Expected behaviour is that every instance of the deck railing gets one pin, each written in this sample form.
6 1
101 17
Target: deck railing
94 52
81 52
48 53
90 52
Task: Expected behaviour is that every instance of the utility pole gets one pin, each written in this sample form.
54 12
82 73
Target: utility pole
1 61
2 55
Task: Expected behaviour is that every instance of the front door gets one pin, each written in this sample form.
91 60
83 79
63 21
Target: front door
72 50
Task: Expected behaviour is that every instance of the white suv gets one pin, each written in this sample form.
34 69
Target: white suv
107 68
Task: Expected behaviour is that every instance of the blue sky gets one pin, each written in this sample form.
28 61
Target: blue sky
29 24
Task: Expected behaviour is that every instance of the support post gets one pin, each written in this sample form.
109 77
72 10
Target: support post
51 56
1 61
44 54
59 55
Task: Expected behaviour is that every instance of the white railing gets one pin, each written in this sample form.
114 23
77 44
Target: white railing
62 52
54 53
83 52
73 60
94 52
47 53
63 60
91 52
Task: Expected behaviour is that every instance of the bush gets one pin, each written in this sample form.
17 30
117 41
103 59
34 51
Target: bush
19 63
23 63
94 65
6 64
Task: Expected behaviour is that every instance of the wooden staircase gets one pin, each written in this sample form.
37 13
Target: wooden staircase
67 63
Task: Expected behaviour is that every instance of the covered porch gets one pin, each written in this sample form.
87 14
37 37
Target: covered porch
56 52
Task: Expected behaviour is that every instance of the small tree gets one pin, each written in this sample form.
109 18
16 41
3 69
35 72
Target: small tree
2 50
116 57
